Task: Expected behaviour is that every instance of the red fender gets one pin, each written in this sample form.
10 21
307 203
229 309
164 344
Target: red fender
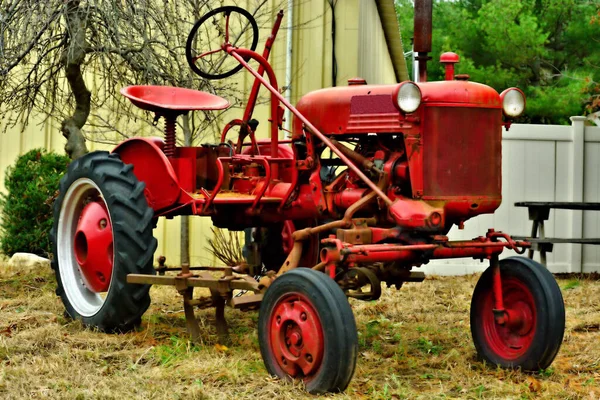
151 166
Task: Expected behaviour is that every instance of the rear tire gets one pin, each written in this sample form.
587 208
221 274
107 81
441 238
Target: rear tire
533 333
306 330
100 182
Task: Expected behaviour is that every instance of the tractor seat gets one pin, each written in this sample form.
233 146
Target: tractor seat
172 100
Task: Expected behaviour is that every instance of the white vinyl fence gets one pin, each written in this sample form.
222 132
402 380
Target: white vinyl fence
543 163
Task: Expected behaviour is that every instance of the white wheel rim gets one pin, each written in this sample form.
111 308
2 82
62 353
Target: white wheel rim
84 301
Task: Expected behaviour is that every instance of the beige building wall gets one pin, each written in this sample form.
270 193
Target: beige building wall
360 48
374 61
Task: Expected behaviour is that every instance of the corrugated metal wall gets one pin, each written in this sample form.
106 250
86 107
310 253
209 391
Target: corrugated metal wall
360 50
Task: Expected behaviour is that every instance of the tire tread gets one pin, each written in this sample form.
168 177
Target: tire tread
132 229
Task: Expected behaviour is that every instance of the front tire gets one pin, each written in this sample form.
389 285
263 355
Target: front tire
307 331
535 316
102 231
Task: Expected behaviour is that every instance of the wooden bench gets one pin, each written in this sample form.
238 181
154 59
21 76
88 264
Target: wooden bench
539 211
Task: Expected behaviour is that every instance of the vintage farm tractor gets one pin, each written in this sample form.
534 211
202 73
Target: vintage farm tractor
367 187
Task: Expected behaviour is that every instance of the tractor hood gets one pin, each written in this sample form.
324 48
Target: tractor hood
373 108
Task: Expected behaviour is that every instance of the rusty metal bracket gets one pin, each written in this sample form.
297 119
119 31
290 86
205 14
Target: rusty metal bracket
191 322
221 290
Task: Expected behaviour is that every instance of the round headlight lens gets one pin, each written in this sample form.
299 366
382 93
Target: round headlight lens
409 97
513 102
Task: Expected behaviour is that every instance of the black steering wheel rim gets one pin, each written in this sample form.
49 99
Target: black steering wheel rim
226 10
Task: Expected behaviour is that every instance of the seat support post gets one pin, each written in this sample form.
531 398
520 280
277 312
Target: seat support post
170 138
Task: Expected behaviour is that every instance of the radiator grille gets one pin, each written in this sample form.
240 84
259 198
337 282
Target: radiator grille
462 151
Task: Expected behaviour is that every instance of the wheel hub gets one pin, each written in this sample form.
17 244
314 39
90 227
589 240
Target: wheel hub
512 338
93 246
296 336
519 318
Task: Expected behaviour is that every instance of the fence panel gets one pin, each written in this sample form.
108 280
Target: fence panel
543 163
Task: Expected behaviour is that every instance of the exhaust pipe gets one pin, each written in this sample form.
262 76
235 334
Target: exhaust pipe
422 35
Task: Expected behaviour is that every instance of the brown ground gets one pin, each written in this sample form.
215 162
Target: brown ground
414 343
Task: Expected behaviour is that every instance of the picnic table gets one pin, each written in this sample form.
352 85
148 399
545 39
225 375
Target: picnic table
539 211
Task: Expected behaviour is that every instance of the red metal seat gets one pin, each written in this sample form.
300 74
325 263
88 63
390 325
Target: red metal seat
169 99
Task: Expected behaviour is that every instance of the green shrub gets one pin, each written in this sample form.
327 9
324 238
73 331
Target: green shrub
31 185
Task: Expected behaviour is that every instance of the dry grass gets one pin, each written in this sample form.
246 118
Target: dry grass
414 343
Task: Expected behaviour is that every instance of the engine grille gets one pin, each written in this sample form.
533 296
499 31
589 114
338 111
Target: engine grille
462 152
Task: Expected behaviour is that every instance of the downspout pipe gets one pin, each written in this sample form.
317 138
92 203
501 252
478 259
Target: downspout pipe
288 65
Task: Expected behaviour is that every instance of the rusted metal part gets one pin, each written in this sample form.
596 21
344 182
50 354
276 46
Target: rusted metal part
337 252
221 293
358 159
219 300
248 302
355 236
422 35
162 268
361 277
190 318
423 25
292 260
302 235
265 281
196 268
320 266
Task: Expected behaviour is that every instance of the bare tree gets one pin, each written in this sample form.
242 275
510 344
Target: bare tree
52 51
67 60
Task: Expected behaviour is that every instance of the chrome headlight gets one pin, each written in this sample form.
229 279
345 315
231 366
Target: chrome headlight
408 97
513 102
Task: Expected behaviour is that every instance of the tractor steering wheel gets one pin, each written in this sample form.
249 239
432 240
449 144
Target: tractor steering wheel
230 26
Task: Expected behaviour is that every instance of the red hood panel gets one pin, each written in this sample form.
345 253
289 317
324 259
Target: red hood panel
371 108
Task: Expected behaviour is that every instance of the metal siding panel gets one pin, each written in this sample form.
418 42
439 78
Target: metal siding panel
374 61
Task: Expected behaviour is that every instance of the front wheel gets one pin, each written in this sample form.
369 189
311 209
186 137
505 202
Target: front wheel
307 331
534 325
102 231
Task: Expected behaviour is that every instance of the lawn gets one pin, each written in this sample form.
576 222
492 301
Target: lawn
414 343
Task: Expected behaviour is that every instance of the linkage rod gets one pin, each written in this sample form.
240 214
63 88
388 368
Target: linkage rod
311 127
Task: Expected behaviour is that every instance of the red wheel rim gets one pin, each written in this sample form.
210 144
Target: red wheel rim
93 246
296 336
286 237
513 338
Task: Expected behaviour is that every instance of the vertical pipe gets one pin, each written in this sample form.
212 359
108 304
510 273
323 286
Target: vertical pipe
288 65
577 175
415 66
497 289
422 32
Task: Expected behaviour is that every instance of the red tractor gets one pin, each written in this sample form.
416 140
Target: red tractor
367 187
